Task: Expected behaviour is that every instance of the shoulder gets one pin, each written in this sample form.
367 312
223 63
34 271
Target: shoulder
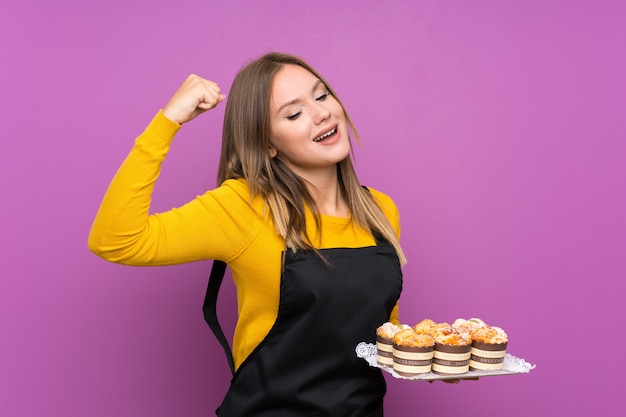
383 201
236 190
238 186
388 207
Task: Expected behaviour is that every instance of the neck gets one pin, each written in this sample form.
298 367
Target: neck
325 191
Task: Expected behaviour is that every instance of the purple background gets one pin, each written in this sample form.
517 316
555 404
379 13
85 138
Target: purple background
497 126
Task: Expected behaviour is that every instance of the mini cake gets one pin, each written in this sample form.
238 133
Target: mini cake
488 348
468 325
384 343
452 351
425 326
412 353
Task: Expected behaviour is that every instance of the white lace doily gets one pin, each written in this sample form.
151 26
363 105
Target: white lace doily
512 365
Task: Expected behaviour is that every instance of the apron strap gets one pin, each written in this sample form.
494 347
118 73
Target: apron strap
209 309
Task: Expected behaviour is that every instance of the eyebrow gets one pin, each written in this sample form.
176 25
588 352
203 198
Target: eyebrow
294 101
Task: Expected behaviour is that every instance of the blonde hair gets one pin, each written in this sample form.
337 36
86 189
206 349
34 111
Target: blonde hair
245 154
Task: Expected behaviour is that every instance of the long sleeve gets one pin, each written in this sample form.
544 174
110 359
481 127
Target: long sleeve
216 225
123 213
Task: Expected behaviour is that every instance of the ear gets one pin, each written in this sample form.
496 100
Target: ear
273 151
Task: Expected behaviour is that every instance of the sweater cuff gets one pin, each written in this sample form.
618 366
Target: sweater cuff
163 127
157 136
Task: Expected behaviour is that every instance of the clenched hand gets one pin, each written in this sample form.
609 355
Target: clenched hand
195 96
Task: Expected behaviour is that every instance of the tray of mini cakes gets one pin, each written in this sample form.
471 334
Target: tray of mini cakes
428 351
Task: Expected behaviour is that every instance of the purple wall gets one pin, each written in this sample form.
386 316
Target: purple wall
497 126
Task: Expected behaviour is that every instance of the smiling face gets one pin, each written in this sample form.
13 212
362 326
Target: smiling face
308 129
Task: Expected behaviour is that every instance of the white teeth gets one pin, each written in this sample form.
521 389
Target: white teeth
325 135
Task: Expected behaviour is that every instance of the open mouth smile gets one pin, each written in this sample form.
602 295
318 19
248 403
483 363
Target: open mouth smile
325 135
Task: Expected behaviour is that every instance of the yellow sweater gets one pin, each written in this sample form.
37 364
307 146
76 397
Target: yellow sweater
224 224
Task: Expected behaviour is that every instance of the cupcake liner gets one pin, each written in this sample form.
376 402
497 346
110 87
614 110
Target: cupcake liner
481 366
412 360
489 346
487 356
451 359
495 354
411 370
384 347
384 340
413 349
451 363
450 370
452 353
440 347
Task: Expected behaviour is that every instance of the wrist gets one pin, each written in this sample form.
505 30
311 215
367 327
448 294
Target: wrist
164 124
169 116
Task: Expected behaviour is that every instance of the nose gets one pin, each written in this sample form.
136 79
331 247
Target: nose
321 113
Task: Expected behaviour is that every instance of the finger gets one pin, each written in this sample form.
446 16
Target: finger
199 87
210 99
215 93
452 381
209 85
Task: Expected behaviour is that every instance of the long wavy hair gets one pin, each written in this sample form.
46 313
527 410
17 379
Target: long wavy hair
245 154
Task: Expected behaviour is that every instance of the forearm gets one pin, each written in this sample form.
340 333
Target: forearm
122 219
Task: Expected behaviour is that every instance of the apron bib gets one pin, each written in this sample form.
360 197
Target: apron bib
306 365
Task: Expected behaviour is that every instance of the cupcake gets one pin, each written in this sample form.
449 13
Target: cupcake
412 353
488 348
468 325
452 351
426 326
384 343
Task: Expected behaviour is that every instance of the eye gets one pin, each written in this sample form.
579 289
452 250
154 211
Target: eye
322 96
294 116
